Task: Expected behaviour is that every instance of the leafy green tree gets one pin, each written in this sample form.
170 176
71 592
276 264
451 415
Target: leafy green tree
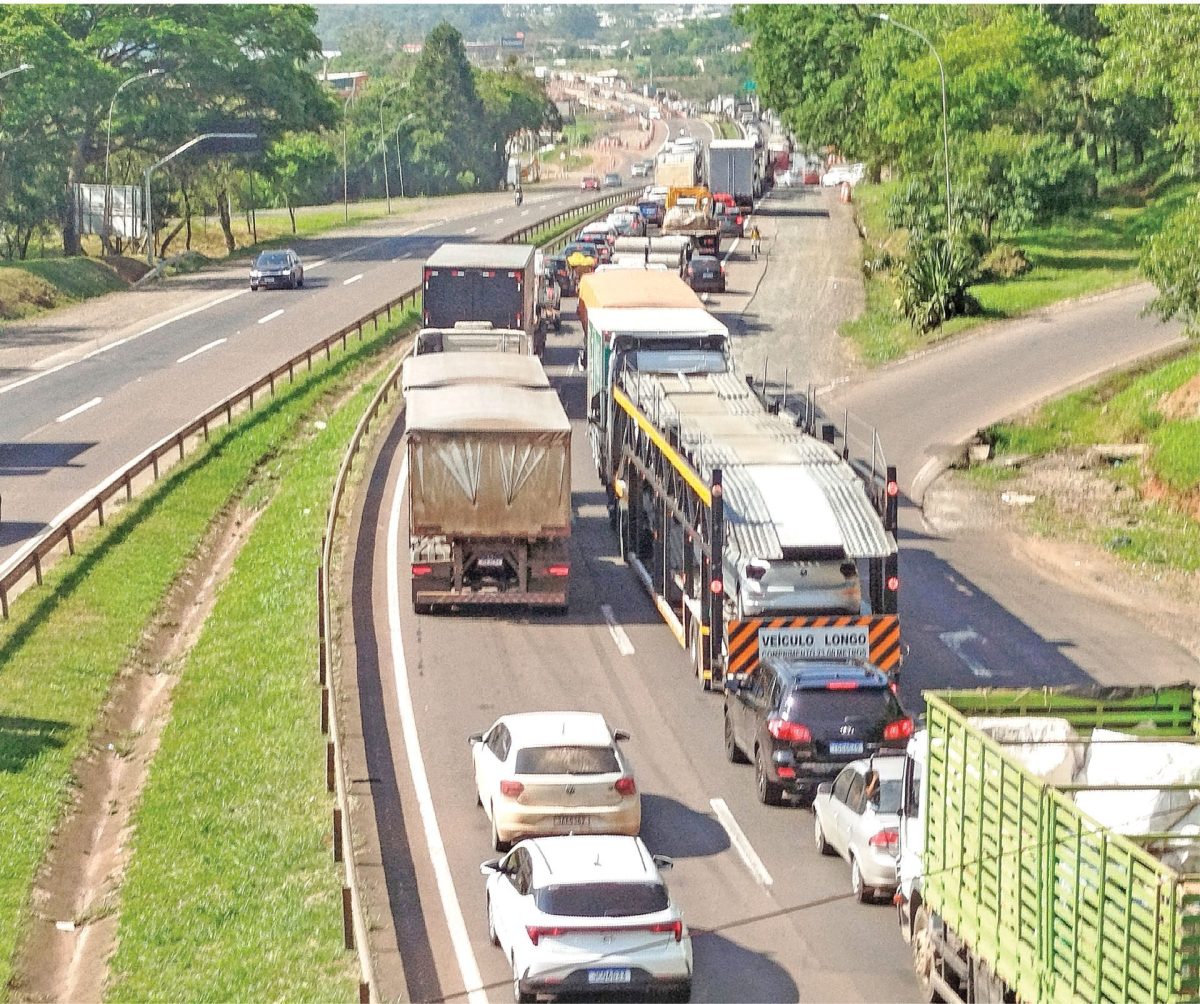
1169 261
300 166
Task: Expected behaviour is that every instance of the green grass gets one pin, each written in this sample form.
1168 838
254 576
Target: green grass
1122 409
29 287
1072 257
231 871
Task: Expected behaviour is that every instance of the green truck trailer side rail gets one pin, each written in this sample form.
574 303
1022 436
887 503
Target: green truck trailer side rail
1064 909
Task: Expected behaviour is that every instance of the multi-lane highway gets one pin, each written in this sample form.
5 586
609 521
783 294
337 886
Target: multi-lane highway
84 391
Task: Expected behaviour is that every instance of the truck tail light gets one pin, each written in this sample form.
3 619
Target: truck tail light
419 570
893 583
789 732
900 729
559 571
511 788
842 685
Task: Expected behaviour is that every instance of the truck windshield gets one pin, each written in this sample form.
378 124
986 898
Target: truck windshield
688 361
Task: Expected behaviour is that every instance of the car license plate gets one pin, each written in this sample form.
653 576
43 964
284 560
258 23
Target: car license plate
838 749
490 562
609 976
570 820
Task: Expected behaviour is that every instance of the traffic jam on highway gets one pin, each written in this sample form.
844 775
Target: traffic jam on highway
1034 844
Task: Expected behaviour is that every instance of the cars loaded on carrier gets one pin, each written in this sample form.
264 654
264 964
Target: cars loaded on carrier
857 816
589 182
800 722
277 268
548 772
588 915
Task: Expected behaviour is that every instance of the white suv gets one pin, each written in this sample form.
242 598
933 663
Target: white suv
587 915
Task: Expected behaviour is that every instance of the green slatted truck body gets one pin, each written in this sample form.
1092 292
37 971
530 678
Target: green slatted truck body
1025 896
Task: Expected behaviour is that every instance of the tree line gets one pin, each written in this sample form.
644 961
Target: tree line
1046 105
231 68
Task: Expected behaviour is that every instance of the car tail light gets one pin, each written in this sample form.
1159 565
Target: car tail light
900 729
722 267
888 839
789 732
418 570
784 771
626 786
893 583
511 788
674 927
536 933
559 571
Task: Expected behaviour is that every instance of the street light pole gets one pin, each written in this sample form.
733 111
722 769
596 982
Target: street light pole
387 192
16 69
399 160
888 19
108 145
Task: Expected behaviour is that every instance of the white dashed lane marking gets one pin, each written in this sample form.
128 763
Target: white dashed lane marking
271 316
87 405
203 348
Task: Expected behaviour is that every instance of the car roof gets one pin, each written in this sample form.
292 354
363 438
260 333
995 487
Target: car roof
591 858
548 728
809 675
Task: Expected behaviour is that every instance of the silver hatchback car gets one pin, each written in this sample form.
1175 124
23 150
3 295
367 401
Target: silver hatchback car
856 817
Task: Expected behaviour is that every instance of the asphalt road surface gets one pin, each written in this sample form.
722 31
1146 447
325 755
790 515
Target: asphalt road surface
772 920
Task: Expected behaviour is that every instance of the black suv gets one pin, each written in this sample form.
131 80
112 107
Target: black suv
801 722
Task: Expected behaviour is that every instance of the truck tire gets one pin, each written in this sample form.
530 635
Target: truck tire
924 953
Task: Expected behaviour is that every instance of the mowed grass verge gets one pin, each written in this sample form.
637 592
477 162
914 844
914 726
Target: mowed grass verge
30 287
231 892
1076 256
1122 409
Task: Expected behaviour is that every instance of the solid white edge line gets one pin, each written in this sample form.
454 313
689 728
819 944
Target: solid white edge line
271 316
203 348
33 376
740 842
80 410
468 967
624 645
353 278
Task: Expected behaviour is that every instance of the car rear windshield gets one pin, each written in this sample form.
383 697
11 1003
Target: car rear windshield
819 706
602 899
567 760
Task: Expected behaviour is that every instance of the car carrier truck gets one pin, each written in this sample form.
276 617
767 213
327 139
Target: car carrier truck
482 282
751 534
1049 846
489 466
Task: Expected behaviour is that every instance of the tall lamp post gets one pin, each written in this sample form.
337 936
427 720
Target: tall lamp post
387 191
108 144
16 69
399 161
888 19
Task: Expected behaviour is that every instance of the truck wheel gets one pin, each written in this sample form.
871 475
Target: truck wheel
923 955
769 792
733 752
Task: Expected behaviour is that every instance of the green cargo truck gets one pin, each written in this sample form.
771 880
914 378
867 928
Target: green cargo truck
1009 889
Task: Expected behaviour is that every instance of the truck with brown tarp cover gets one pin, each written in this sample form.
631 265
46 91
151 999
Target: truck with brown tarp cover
489 482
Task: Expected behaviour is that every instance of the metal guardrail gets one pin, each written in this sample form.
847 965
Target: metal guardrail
31 558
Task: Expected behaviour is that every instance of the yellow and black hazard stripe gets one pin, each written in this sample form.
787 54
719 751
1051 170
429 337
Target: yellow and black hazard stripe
883 638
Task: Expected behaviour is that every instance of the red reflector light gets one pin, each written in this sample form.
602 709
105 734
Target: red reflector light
893 489
785 771
842 685
888 838
789 732
901 729
511 788
626 786
716 587
419 570
893 583
559 571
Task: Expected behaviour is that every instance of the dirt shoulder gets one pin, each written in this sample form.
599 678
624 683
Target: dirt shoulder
1050 513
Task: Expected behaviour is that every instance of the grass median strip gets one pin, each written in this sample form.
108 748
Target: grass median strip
231 893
